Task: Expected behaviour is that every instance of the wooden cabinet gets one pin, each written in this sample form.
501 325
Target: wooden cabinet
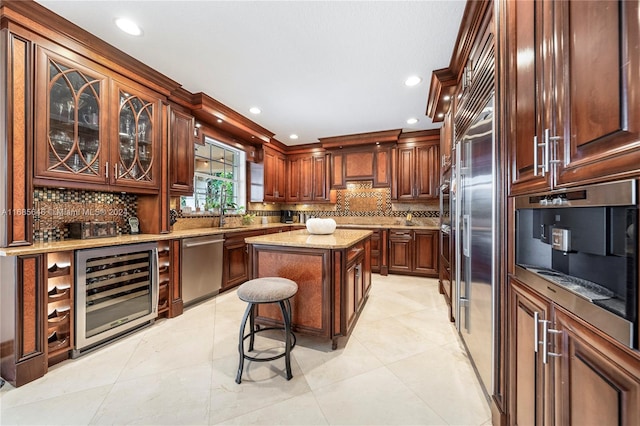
378 241
24 318
71 121
596 380
413 252
418 172
446 142
268 181
137 153
16 148
93 129
580 377
354 286
308 178
529 389
236 258
400 251
181 152
274 175
294 178
572 69
372 163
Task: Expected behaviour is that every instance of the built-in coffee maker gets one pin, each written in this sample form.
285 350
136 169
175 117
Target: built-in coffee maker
286 217
579 247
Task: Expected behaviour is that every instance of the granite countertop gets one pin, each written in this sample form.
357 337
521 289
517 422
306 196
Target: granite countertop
383 226
341 238
74 244
65 245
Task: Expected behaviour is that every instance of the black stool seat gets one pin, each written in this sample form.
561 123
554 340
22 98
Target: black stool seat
266 290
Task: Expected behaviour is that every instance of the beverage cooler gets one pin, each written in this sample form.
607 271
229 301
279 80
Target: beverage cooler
116 292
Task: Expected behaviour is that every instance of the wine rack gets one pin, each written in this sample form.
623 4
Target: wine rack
164 270
60 312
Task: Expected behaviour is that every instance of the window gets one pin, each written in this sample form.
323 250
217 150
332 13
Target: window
219 172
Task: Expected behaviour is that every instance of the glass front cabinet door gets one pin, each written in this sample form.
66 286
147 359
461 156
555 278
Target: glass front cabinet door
70 118
136 155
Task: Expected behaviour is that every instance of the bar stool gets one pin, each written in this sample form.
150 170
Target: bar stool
266 290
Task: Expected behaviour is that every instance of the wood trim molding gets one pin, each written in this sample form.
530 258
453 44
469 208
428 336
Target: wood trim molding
444 80
218 115
431 135
385 136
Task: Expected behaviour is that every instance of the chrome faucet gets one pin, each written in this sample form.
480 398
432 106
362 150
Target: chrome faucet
223 204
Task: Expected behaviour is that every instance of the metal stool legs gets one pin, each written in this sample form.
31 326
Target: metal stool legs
290 338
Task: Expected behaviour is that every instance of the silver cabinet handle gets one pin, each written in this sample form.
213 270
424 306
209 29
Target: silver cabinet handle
545 341
544 167
536 337
548 140
115 170
106 169
535 155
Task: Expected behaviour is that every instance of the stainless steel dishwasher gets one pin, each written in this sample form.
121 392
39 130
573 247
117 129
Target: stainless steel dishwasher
201 268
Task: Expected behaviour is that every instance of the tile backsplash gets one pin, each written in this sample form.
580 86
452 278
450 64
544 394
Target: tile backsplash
54 208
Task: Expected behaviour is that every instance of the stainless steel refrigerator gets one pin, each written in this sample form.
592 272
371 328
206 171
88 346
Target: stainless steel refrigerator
474 227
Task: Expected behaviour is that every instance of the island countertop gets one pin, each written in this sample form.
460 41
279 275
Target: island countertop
340 239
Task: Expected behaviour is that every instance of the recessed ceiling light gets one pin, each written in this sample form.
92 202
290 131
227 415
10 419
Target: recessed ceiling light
440 115
293 136
446 98
128 26
412 121
255 110
219 120
414 80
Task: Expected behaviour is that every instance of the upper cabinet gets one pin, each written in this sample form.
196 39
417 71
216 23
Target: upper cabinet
308 178
181 152
71 120
372 163
366 156
268 181
572 82
93 131
418 174
136 155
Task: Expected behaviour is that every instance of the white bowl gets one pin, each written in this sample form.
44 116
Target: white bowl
321 226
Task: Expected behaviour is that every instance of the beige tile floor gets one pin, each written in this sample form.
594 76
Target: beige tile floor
403 364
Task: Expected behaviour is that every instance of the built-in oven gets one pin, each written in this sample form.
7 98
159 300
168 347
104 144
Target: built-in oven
579 247
116 292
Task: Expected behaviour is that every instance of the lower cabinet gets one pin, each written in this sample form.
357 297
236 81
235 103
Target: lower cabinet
379 238
580 377
413 252
236 258
23 335
354 287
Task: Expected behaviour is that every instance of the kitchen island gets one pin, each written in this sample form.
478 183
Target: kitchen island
333 273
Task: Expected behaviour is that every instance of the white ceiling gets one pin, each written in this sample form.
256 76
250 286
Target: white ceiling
315 68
